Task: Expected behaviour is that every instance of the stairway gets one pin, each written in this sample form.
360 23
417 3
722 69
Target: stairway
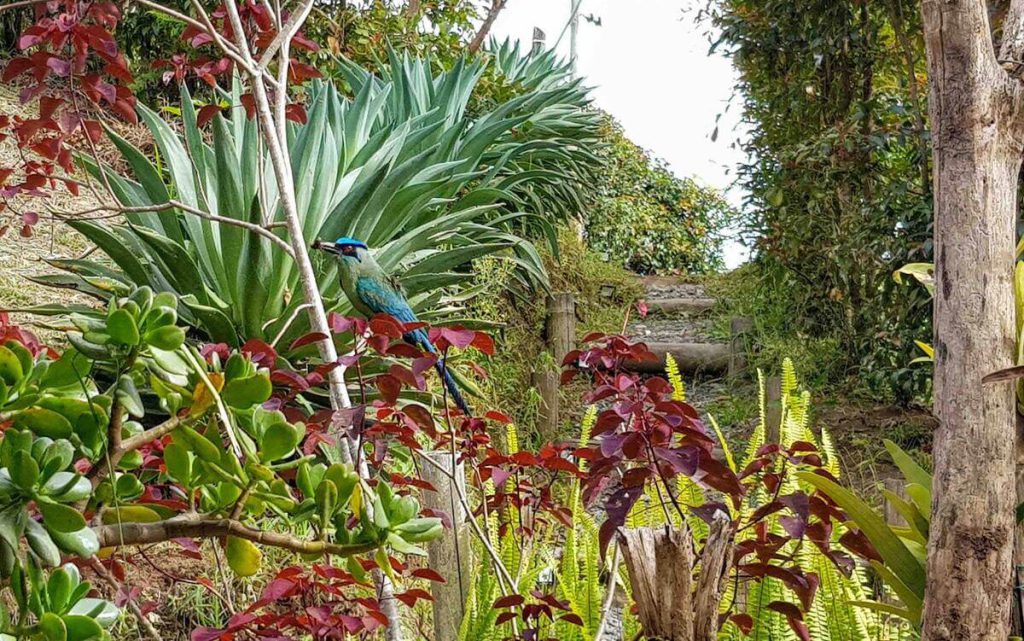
679 323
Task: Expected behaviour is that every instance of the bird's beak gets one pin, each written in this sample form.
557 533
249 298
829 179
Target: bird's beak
327 247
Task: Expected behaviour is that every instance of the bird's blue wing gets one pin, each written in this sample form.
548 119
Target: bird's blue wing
384 299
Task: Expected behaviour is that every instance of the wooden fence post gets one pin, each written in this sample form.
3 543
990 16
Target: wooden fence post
538 40
560 331
450 553
773 409
740 328
560 327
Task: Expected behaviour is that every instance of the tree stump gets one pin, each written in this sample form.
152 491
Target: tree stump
672 603
451 553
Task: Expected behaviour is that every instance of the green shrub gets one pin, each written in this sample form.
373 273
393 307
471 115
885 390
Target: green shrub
647 219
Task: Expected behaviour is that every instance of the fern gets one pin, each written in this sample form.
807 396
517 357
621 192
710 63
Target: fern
675 378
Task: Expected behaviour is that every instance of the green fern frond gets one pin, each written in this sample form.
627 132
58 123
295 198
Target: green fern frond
789 383
512 438
675 377
758 437
721 441
587 424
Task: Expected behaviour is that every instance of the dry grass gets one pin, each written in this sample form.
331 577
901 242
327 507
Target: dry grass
22 258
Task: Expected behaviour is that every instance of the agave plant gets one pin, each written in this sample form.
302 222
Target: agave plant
399 165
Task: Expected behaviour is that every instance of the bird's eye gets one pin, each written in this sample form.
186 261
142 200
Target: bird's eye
348 250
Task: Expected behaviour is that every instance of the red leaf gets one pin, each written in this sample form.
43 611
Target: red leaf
504 617
389 387
428 574
206 114
308 339
509 601
410 597
484 343
744 622
497 417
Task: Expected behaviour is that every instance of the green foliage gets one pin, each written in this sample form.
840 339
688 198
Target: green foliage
832 615
902 548
400 166
764 296
647 219
834 97
60 605
604 294
233 457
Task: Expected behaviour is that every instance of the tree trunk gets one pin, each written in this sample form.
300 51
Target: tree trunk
672 603
977 156
485 28
450 554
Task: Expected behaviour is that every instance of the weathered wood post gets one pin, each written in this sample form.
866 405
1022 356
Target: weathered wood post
560 327
539 38
672 603
740 328
450 554
560 331
773 409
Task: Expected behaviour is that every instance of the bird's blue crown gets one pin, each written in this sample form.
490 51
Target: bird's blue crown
345 240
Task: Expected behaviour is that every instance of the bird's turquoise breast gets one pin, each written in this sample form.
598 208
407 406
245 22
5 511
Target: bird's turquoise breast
381 298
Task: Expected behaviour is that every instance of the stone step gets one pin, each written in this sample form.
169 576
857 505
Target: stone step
691 358
680 305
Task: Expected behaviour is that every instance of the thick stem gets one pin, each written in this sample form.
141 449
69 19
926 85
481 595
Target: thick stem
194 526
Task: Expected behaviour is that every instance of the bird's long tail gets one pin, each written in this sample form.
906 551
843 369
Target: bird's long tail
420 339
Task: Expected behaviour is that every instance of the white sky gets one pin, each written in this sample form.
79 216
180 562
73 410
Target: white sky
649 65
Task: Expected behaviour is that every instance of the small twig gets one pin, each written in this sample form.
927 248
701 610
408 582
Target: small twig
286 33
288 323
171 205
144 622
613 570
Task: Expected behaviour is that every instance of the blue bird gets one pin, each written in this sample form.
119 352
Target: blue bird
372 291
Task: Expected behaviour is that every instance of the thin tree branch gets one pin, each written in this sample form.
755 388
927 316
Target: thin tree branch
144 622
118 210
285 35
195 526
485 28
613 573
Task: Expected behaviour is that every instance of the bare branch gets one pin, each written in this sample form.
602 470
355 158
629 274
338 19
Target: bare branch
285 35
144 622
169 206
195 526
485 28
